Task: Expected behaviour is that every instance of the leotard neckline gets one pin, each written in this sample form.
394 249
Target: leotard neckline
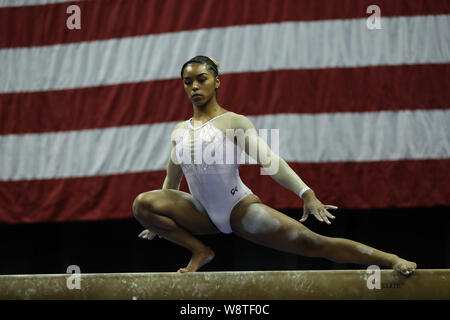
192 127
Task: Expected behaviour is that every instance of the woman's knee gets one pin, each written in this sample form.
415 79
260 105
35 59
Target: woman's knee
312 244
149 202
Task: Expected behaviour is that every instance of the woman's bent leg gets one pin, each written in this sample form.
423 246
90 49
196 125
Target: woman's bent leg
175 215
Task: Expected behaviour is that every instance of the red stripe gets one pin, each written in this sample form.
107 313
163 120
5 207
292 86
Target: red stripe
360 185
106 19
346 185
74 199
288 91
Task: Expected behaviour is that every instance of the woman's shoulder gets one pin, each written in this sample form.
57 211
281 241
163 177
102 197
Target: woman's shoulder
233 121
182 124
240 121
234 117
178 130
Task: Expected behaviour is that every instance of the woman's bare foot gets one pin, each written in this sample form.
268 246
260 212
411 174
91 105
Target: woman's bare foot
403 266
198 260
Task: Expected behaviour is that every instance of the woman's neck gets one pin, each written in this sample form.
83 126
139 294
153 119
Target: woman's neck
208 111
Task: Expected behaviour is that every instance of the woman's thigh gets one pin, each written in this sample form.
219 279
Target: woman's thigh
182 207
264 225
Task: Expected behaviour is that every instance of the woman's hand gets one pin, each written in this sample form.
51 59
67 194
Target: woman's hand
147 234
312 205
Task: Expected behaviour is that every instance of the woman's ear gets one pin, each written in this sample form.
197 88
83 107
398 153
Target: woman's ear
217 82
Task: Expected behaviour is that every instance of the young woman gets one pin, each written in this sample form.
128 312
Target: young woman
221 202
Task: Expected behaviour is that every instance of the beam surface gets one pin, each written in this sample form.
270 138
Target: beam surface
243 285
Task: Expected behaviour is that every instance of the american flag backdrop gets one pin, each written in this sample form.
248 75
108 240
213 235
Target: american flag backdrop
86 114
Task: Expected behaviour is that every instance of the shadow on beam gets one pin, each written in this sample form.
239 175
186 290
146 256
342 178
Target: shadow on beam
259 285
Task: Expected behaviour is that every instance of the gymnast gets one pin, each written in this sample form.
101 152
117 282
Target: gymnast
220 202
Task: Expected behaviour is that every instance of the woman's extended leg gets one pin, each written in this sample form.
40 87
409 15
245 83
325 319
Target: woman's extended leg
175 215
261 224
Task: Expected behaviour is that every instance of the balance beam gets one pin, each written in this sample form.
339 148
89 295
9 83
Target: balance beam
255 285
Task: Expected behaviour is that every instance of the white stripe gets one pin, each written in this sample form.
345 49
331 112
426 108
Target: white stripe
85 152
274 46
370 136
20 3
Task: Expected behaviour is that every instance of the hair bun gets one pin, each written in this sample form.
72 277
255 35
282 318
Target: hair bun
215 62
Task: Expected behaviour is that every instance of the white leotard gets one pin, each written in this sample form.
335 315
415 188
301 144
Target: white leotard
216 185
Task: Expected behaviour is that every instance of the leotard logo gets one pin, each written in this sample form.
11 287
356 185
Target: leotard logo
233 190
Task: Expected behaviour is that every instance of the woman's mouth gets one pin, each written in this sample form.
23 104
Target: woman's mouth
196 97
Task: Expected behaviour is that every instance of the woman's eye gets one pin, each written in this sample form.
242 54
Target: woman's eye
188 83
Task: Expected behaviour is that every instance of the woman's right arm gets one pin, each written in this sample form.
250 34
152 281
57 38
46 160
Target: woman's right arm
174 173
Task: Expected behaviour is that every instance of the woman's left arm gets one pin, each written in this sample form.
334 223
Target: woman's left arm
249 140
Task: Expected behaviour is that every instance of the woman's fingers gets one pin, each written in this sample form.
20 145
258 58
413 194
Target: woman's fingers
317 214
324 216
321 214
151 235
329 215
305 216
143 233
147 234
331 208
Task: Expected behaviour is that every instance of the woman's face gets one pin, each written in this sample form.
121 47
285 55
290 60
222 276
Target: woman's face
199 83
